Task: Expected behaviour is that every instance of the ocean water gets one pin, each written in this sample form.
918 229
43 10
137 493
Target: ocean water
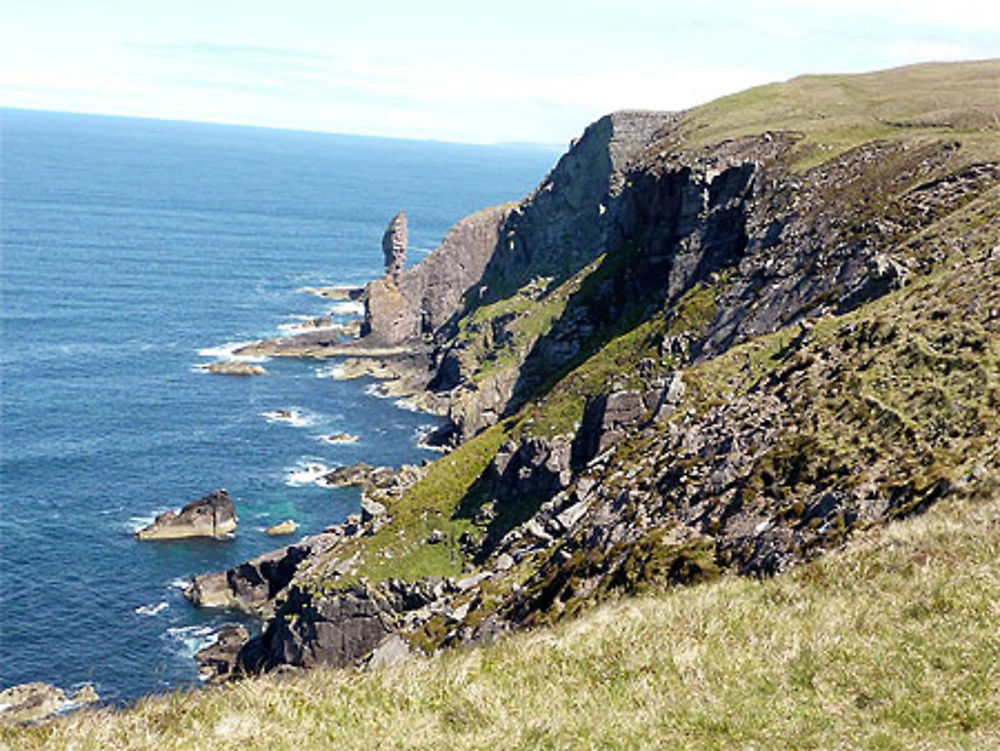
132 251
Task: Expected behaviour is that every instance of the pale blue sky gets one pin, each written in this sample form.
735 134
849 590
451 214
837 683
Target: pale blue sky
460 71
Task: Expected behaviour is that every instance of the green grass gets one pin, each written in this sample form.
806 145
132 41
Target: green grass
834 113
889 644
400 549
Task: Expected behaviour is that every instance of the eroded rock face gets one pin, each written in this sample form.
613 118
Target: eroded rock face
211 516
336 630
217 662
419 300
394 244
251 586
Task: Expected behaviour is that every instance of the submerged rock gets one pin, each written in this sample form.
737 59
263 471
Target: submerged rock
211 516
235 367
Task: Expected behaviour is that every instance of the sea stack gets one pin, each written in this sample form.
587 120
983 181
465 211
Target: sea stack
211 516
394 243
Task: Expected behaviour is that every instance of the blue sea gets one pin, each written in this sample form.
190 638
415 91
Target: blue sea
134 251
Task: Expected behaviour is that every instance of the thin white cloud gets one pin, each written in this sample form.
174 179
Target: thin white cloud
978 15
922 50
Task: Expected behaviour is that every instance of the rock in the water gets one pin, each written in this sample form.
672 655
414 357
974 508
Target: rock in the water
235 367
341 438
211 516
85 695
286 527
217 662
394 243
30 702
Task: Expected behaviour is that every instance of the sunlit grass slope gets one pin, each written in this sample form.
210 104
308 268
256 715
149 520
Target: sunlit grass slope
892 643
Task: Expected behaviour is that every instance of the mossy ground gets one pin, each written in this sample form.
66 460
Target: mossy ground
889 644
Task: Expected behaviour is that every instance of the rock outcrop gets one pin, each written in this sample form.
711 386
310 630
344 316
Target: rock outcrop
218 662
251 586
211 516
394 245
34 702
681 354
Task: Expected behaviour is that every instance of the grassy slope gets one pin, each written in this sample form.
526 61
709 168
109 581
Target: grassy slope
889 644
837 112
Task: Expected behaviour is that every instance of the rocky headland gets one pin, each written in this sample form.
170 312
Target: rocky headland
723 339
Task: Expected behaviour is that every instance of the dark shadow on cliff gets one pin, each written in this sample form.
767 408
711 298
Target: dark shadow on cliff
650 265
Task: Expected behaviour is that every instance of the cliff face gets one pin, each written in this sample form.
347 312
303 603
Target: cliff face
722 339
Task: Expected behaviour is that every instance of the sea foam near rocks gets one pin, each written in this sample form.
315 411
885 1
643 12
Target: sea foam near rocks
152 609
227 351
292 416
190 639
336 372
347 308
306 472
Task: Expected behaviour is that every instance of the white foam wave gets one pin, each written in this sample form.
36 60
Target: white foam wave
153 609
191 639
377 390
338 438
408 403
227 351
331 371
347 308
293 416
179 583
135 523
305 472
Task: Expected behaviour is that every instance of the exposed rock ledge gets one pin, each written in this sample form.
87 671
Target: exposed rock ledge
211 516
32 702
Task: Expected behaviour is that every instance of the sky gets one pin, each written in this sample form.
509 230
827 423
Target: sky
479 72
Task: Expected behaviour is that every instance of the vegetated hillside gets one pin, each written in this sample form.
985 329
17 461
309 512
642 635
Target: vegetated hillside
889 644
720 340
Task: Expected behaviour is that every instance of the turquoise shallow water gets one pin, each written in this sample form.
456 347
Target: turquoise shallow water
131 249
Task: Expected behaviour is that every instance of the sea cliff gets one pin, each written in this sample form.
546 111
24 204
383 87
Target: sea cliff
721 339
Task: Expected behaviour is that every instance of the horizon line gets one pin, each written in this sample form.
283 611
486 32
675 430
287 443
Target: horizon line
285 129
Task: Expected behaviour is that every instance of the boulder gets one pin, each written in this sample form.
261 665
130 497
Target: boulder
211 516
606 420
286 527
